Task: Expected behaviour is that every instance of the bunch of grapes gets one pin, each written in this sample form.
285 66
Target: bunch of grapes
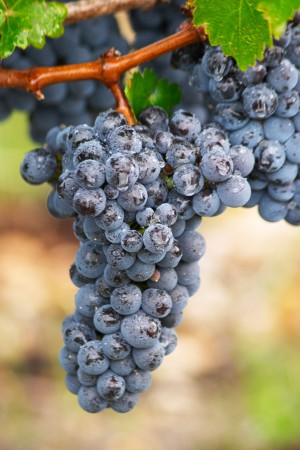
259 110
137 194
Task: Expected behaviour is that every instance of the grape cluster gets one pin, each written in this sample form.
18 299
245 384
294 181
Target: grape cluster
260 111
131 191
74 102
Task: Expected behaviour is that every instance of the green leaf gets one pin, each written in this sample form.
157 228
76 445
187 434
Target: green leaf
237 26
24 23
277 13
146 89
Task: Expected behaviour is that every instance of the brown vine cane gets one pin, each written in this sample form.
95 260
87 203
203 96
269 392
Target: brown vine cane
107 69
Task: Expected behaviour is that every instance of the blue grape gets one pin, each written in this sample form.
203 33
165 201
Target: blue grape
269 156
123 366
192 245
90 400
108 121
216 166
88 150
288 104
140 271
90 174
150 258
193 223
126 403
115 277
182 203
124 139
178 227
156 302
58 207
138 381
278 129
181 152
132 241
186 273
283 77
87 300
118 258
249 135
147 359
115 236
168 340
86 379
271 210
180 296
212 138
172 320
158 238
89 203
243 159
134 198
121 171
90 260
111 218
167 281
67 186
38 166
91 358
141 330
185 124
231 116
154 118
93 232
72 383
285 175
281 193
260 101
215 64
254 198
68 360
235 191
292 146
157 192
110 386
115 346
145 217
172 257
149 166
107 320
188 180
225 90
126 300
163 141
206 202
78 135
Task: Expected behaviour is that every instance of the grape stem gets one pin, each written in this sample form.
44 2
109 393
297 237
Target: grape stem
107 69
87 9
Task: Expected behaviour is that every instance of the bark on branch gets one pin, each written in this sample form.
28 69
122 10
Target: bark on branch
87 9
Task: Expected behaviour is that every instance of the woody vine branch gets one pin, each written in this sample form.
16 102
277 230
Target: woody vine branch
107 69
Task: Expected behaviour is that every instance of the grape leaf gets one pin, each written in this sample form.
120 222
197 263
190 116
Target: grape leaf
24 23
277 13
146 89
237 26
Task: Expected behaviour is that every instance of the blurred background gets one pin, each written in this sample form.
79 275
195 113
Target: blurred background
233 382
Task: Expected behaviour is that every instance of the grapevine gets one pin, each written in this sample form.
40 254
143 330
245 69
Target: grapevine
138 179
